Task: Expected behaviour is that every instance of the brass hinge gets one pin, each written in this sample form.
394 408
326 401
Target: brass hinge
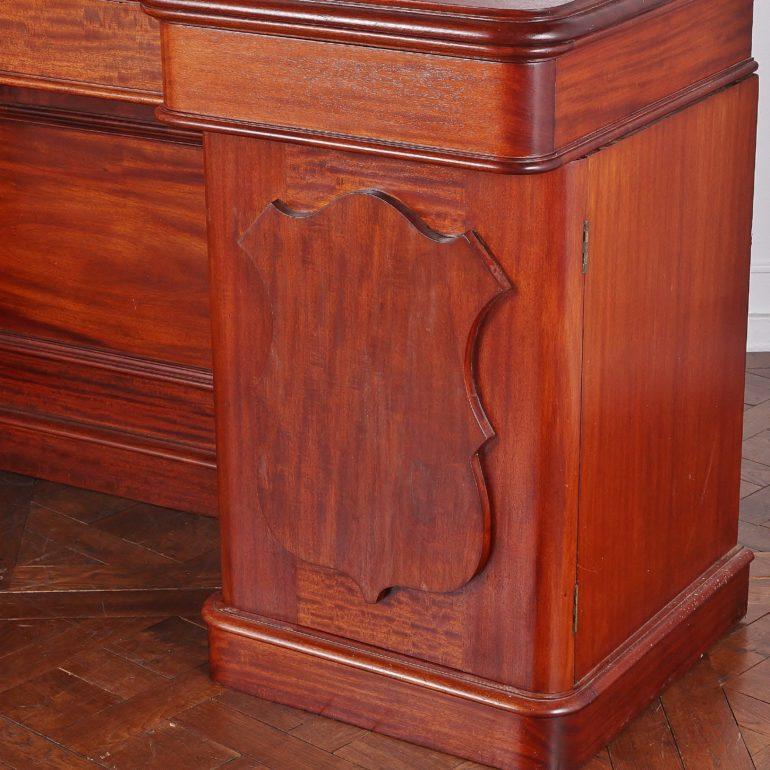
586 233
575 610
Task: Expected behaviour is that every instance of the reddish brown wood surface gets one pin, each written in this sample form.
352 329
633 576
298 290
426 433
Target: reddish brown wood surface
665 322
76 272
510 666
104 330
481 721
270 594
67 383
390 96
498 31
366 350
527 377
540 110
69 109
98 47
593 88
109 461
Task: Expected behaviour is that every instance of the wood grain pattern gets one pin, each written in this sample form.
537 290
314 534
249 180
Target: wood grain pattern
536 659
103 48
89 113
541 109
77 557
385 302
567 674
112 462
48 665
100 312
648 740
687 703
391 96
655 63
660 443
527 347
501 31
510 729
170 404
113 282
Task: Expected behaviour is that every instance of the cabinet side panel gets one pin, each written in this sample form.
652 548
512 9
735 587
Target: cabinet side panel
665 326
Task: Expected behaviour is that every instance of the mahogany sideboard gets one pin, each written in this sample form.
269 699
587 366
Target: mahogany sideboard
478 293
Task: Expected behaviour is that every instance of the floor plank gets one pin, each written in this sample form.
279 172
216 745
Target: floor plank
91 541
111 672
172 533
21 748
53 700
379 752
98 736
646 744
754 682
80 504
170 746
327 734
707 734
168 648
258 740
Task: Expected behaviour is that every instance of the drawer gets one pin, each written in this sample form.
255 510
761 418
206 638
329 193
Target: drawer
518 95
94 47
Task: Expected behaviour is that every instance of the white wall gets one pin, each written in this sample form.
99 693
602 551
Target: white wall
759 299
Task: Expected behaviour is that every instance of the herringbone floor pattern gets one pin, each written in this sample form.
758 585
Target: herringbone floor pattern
103 653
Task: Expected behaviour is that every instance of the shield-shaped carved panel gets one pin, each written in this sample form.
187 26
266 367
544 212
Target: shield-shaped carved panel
369 420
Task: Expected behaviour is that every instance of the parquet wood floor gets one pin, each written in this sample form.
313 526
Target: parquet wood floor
103 653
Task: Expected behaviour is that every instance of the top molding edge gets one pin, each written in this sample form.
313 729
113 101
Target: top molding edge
517 29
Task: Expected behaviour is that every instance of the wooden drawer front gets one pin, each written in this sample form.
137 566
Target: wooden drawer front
99 47
521 114
457 105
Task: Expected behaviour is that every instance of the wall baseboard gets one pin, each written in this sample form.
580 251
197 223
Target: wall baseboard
759 332
759 320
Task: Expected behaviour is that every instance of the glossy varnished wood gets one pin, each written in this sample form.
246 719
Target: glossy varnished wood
533 508
69 383
541 107
104 300
407 526
65 201
129 685
522 680
388 96
656 66
665 298
481 721
97 47
388 301
510 30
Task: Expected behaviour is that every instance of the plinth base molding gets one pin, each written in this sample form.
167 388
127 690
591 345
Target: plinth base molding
468 716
